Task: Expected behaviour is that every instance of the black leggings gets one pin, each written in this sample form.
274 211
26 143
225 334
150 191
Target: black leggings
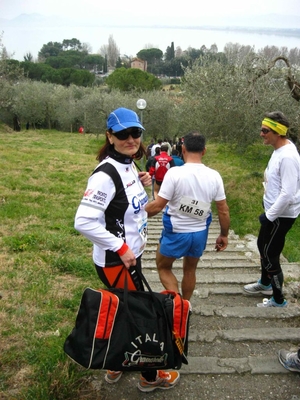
270 243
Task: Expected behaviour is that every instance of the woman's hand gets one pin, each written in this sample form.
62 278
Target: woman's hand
145 178
128 258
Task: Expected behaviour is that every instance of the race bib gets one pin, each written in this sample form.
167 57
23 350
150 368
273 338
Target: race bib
194 208
142 227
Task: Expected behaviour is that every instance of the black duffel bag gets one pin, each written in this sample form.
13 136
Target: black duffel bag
125 330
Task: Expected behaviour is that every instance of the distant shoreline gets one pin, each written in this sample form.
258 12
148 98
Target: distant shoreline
289 32
264 31
22 38
24 21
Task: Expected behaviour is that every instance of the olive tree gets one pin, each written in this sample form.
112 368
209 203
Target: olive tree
94 111
160 117
228 101
11 74
68 110
34 103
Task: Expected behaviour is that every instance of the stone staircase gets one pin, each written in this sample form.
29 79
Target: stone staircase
233 344
229 334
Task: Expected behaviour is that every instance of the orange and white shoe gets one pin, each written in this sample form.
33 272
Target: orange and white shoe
112 376
164 380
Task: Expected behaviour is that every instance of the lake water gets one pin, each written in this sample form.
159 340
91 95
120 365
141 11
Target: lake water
131 40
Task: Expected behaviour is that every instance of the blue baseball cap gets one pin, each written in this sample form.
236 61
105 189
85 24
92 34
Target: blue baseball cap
123 118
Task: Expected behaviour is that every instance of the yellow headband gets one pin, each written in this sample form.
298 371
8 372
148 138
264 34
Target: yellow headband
275 126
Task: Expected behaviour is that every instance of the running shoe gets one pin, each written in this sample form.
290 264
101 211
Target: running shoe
258 287
289 360
164 380
112 376
272 303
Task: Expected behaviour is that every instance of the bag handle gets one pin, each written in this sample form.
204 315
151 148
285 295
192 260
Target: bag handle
144 280
142 277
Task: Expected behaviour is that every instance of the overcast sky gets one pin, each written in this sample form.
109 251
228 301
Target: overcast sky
134 8
127 21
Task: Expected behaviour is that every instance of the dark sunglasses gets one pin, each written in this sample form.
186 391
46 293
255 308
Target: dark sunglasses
135 133
265 130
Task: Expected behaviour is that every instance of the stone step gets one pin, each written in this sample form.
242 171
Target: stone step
236 336
150 263
213 277
248 312
215 365
246 334
202 292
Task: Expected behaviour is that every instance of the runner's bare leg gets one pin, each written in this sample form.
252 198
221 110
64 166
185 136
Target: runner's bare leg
164 266
189 276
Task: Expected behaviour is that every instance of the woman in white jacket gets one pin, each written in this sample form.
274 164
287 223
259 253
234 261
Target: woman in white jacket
112 216
281 202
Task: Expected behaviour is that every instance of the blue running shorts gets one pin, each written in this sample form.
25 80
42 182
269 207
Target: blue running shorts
177 245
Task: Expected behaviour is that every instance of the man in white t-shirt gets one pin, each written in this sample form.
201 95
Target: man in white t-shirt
186 194
158 144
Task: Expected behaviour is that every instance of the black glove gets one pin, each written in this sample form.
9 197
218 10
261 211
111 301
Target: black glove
263 219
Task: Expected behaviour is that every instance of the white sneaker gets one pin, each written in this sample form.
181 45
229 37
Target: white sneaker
257 287
289 360
272 303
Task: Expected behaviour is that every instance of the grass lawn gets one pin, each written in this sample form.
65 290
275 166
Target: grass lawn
45 264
